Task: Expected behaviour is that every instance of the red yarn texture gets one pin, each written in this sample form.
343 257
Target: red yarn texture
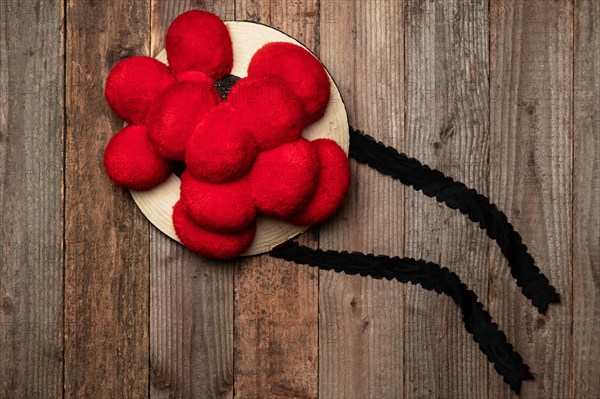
332 184
224 207
208 243
131 161
174 114
221 149
284 178
196 76
132 85
302 72
244 156
199 41
269 109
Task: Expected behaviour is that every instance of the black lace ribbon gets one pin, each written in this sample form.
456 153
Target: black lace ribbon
456 195
477 320
478 208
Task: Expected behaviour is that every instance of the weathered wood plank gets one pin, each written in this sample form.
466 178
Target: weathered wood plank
276 303
586 192
191 298
275 330
447 127
191 324
106 272
361 339
531 65
31 199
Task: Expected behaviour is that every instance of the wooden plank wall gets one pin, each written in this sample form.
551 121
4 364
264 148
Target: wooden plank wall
31 199
106 236
586 192
501 94
447 127
361 351
530 161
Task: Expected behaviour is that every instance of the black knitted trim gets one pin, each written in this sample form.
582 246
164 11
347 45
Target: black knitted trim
225 84
478 322
456 195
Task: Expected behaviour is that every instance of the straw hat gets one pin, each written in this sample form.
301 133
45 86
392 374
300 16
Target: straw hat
247 38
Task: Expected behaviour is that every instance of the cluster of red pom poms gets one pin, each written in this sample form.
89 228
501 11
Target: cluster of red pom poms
244 155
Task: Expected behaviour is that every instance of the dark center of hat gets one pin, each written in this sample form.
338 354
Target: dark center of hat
224 85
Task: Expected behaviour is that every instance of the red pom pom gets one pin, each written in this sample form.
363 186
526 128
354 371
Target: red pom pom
221 149
196 76
175 113
284 178
300 70
199 41
209 243
130 160
274 114
226 208
332 186
133 83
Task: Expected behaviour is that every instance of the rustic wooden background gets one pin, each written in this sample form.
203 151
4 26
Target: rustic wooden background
96 303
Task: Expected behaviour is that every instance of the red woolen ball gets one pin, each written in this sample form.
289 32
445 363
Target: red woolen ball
175 113
300 70
196 76
333 182
226 208
199 41
208 243
131 161
133 83
273 113
284 178
221 149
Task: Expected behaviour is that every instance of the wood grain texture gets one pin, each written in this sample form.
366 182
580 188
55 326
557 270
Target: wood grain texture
191 298
586 197
95 303
531 66
276 314
361 339
191 324
31 199
106 268
447 127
